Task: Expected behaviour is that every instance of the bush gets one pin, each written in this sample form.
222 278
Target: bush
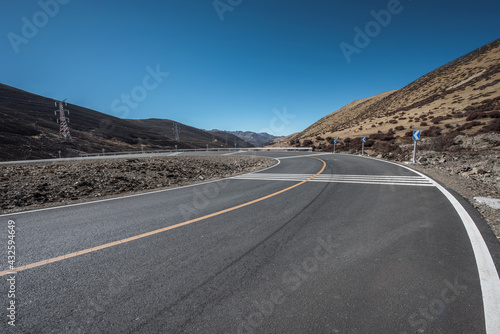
431 132
307 143
472 115
399 128
319 138
494 114
423 124
492 127
437 120
393 121
468 126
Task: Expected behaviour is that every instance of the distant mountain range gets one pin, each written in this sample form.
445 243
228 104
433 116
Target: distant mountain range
256 139
29 130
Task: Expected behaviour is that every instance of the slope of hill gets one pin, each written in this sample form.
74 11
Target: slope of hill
256 139
462 96
28 130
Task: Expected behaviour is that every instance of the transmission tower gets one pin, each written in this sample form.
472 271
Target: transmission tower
63 120
176 132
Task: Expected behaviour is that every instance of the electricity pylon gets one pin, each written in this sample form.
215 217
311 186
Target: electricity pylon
63 120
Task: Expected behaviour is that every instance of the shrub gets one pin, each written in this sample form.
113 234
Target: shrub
494 114
492 127
307 143
393 121
433 131
423 124
399 128
468 126
437 120
472 115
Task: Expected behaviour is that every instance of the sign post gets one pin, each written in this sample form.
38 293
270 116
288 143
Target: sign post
416 137
363 141
334 144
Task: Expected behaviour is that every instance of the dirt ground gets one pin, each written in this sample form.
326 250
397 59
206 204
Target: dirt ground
45 184
471 174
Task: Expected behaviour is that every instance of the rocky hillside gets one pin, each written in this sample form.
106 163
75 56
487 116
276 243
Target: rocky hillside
462 96
28 130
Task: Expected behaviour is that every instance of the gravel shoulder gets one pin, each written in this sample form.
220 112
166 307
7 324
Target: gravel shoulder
47 184
471 174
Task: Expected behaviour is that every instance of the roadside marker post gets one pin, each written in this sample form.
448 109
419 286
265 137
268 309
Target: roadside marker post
416 137
334 144
363 141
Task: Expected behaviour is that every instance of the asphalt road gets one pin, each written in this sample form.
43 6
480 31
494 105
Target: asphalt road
364 246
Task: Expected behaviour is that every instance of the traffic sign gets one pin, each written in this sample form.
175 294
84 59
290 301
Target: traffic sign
416 134
363 140
335 141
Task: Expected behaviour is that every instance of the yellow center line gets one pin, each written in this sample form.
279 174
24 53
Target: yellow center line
140 236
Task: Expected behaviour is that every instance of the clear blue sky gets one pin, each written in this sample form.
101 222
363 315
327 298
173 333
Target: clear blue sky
237 73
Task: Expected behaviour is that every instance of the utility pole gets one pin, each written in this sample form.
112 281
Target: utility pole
63 120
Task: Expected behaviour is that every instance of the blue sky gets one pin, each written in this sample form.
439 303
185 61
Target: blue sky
272 65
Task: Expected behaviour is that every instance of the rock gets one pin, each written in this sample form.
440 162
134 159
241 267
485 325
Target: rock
491 202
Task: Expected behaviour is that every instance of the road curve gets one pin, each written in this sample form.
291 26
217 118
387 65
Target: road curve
316 244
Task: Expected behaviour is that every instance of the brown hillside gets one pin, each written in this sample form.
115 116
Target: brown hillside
28 130
461 96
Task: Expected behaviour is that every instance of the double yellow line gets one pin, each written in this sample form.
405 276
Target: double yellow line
144 235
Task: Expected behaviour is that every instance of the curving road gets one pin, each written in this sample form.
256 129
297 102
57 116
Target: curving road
316 244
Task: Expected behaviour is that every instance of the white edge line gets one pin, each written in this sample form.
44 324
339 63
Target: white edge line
135 195
488 276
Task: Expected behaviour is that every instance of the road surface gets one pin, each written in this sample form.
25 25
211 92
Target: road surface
316 244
